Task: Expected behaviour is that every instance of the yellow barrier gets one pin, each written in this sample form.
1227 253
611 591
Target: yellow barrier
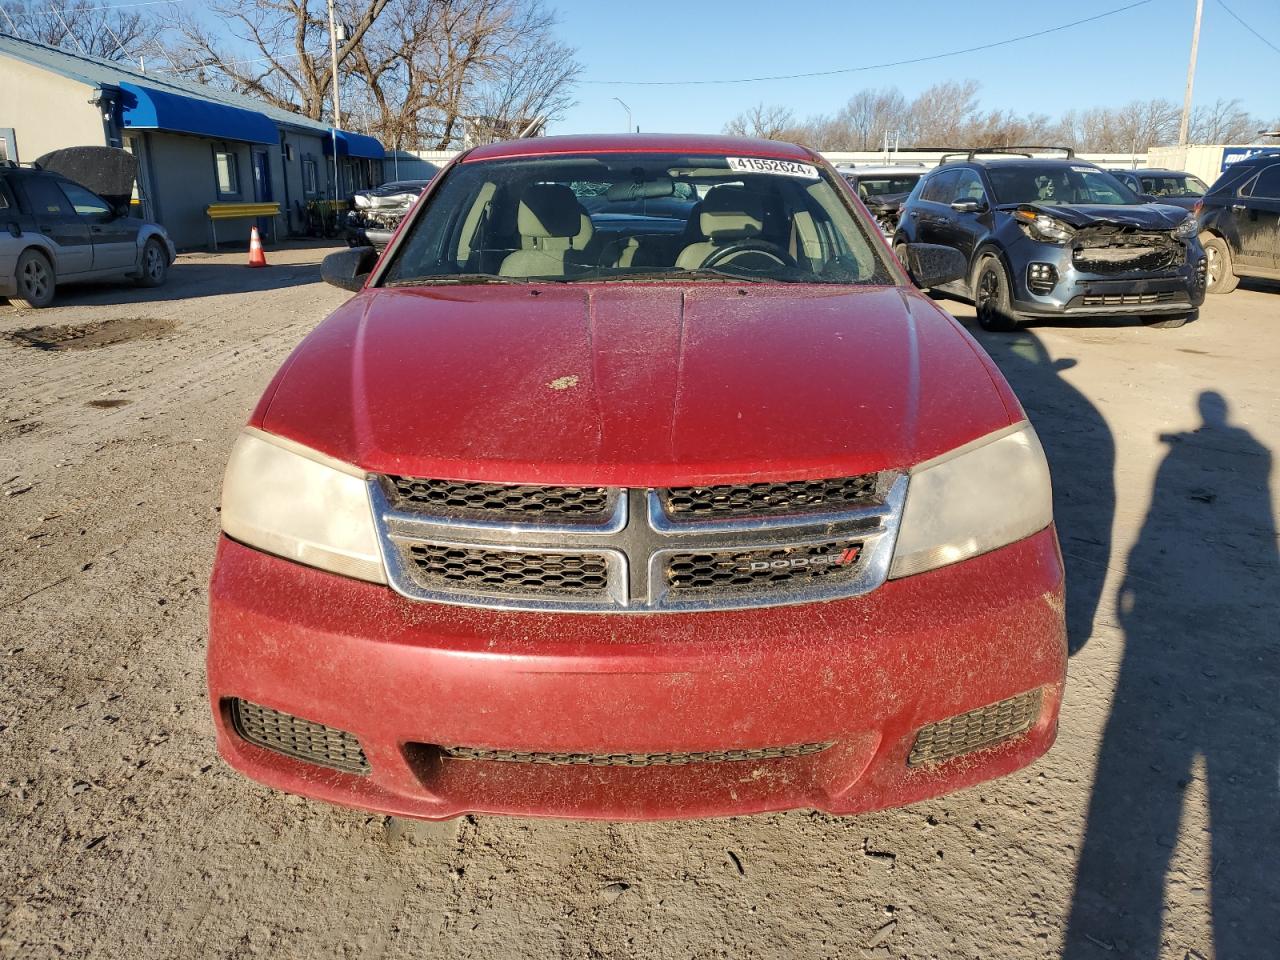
232 211
229 211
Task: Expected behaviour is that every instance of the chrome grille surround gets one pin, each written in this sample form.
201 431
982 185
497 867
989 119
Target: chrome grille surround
638 541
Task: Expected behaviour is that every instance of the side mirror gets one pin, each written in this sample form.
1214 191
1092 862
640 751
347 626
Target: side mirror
932 265
122 210
968 206
348 269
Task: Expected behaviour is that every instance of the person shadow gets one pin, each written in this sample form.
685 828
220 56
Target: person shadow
1081 453
1198 688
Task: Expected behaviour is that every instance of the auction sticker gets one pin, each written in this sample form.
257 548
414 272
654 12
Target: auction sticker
788 168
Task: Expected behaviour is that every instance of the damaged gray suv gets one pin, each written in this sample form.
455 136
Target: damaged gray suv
1050 238
67 218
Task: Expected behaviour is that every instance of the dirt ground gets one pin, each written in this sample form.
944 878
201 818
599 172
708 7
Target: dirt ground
1150 830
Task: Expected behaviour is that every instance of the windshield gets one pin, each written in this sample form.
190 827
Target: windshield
634 217
1059 184
885 186
1173 185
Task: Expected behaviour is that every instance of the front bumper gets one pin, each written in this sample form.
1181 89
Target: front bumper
865 673
1175 290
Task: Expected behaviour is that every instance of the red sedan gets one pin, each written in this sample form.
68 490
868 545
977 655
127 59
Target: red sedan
637 481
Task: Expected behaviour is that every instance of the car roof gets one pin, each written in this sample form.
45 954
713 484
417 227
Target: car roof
883 171
1009 161
1158 171
641 143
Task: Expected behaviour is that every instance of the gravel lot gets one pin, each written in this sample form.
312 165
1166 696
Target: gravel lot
1150 830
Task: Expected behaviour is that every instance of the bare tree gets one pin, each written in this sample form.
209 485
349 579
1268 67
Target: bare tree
290 68
82 26
764 121
416 72
1223 121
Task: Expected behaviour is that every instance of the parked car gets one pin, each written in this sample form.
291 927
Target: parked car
525 527
1239 221
67 219
883 189
376 213
1047 238
1174 187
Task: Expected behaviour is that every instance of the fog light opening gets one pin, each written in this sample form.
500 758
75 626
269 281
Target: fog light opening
1041 277
294 737
976 729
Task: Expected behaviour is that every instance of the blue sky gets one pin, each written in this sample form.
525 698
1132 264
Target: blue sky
1137 54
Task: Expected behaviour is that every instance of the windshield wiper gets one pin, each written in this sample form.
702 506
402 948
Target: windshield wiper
457 278
699 272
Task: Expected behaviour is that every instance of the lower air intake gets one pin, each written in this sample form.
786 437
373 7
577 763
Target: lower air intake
634 759
298 738
979 728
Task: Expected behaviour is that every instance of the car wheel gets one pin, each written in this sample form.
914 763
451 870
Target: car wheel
36 281
1218 267
155 265
991 298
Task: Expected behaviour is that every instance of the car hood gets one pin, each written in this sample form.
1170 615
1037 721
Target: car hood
107 171
885 201
1144 216
636 384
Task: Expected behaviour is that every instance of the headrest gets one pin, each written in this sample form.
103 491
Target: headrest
730 212
548 210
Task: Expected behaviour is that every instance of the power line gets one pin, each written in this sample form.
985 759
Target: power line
872 66
1235 16
33 7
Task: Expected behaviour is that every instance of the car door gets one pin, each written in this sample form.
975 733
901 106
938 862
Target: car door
115 238
56 219
1256 213
933 210
963 227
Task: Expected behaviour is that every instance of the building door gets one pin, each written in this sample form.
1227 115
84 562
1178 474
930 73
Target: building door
143 202
262 189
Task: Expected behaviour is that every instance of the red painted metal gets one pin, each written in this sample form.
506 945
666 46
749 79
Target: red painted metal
679 143
659 384
866 672
635 385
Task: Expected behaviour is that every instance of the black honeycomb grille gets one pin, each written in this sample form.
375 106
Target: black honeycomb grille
725 571
636 759
511 572
499 500
979 728
295 737
750 499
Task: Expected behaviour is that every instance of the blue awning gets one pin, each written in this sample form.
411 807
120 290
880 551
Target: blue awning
146 108
354 145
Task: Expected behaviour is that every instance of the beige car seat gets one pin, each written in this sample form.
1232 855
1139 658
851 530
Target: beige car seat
551 223
729 214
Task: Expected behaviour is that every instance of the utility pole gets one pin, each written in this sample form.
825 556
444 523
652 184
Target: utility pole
1185 126
628 109
337 104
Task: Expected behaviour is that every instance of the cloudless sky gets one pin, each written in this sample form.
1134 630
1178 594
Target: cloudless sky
1138 54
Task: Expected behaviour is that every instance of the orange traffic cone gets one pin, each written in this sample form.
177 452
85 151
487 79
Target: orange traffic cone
256 257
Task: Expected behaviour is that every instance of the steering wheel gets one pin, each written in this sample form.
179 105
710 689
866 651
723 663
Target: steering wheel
761 248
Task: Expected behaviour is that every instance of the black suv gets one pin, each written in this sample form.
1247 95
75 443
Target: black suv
1055 238
1239 222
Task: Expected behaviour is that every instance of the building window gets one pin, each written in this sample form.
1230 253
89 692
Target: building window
309 184
224 165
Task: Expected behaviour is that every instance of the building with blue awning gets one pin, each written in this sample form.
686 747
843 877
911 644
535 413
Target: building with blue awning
196 145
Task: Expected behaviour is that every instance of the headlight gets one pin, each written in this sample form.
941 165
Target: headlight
976 498
1041 226
288 500
1187 228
